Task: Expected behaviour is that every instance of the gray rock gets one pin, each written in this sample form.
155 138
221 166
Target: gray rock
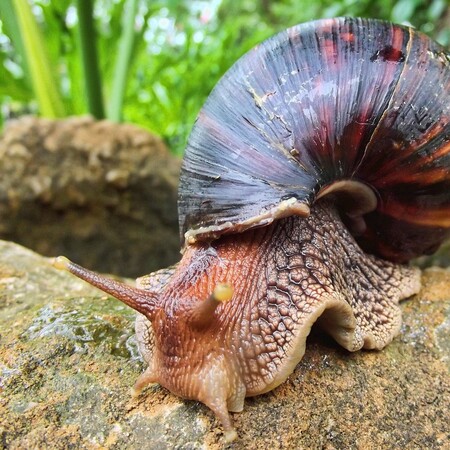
68 360
102 193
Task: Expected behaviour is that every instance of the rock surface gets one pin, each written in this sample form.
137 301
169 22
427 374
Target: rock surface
68 360
102 193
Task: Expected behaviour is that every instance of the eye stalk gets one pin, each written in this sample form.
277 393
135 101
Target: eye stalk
202 313
62 263
144 301
223 292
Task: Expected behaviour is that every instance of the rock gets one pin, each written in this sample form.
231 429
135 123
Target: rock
441 258
102 193
68 360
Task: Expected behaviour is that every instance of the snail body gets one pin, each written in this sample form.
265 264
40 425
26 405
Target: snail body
318 165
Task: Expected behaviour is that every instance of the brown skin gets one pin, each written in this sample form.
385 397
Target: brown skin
285 277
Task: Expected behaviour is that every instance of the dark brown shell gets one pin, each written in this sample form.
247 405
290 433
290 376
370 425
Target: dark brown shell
325 101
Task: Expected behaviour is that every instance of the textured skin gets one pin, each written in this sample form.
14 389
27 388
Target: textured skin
285 277
331 100
144 332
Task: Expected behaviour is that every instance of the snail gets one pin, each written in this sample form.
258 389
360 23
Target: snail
317 168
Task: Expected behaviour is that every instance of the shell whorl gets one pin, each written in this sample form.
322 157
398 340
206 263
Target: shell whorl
326 101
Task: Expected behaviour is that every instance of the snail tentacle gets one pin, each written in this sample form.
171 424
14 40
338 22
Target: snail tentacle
145 379
144 301
202 312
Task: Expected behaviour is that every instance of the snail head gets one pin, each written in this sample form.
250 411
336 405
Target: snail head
177 329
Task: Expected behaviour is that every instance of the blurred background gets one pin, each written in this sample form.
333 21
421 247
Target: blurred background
153 62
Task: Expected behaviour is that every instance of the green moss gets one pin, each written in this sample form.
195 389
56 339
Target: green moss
87 321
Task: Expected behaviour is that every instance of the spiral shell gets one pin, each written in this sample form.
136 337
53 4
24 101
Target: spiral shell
318 106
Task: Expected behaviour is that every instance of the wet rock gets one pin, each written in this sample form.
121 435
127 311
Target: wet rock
102 193
68 360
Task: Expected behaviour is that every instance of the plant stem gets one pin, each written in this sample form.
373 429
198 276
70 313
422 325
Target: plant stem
38 63
123 60
91 70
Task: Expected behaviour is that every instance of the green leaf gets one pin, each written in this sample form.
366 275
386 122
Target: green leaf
403 11
91 70
123 60
42 78
11 27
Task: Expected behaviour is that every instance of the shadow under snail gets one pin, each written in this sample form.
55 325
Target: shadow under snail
318 166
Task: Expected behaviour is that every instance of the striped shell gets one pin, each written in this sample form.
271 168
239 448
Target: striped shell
317 104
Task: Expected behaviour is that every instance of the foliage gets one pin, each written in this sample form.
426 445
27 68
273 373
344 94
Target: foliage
88 50
158 60
31 47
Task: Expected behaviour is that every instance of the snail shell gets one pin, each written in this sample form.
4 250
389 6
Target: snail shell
332 105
